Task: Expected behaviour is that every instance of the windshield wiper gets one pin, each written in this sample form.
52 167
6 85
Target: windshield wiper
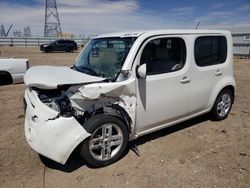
92 72
89 70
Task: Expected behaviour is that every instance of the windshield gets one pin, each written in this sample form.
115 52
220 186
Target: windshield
104 57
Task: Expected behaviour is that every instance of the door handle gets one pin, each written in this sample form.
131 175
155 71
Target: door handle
185 80
218 73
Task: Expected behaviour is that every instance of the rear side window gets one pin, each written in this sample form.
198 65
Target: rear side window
164 55
210 50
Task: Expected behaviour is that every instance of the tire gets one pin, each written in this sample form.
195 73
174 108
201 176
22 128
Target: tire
106 149
5 78
48 50
222 105
69 49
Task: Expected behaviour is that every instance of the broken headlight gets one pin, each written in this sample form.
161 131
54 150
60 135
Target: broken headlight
54 105
59 103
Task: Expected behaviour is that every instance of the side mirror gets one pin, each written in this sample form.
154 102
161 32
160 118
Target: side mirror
142 71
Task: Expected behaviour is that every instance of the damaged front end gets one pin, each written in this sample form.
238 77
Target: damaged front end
54 122
111 98
49 129
61 99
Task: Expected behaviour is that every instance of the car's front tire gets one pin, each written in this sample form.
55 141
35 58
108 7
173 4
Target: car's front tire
107 143
222 105
48 50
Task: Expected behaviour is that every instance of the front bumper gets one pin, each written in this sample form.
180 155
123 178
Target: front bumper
53 136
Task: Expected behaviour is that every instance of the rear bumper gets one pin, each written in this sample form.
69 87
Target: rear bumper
53 137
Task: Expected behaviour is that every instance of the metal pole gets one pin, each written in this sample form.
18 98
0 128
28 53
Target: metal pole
11 41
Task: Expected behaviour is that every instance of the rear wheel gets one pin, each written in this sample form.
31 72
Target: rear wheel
107 143
5 78
222 105
69 49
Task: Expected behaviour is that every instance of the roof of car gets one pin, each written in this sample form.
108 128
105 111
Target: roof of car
65 40
163 31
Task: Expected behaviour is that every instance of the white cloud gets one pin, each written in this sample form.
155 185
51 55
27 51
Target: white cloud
244 8
101 16
219 5
184 9
222 20
89 16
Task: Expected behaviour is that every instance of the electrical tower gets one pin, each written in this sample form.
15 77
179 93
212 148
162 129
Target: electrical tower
27 32
52 27
2 31
17 33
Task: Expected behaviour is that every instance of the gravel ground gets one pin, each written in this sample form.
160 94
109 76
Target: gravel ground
196 153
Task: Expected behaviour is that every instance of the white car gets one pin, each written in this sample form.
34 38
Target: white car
12 70
125 85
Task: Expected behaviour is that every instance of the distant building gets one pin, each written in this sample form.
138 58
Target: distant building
241 41
67 35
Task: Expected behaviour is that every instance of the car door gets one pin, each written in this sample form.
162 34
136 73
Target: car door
59 46
210 65
164 95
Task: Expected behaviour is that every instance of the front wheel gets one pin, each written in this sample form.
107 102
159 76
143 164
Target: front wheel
222 105
48 50
107 143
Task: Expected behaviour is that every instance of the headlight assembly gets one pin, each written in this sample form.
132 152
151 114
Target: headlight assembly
58 102
54 105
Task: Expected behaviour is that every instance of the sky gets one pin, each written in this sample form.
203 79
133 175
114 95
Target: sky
90 17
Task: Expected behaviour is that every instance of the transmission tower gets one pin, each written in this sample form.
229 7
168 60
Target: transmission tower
52 27
17 33
2 31
27 32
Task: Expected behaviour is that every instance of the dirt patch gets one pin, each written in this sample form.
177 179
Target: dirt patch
196 153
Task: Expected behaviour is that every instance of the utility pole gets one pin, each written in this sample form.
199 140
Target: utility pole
52 26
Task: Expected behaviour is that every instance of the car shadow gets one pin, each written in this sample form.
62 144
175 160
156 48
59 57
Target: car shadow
75 161
60 52
171 129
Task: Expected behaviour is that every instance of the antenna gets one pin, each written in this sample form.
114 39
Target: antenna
52 27
197 25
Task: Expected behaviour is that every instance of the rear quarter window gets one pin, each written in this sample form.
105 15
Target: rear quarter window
210 50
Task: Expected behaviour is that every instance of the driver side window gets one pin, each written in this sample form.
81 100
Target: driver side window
164 55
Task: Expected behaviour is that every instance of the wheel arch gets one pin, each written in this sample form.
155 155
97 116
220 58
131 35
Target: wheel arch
231 88
225 84
116 111
8 79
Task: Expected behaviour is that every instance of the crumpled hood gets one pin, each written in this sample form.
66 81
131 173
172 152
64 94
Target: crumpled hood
50 77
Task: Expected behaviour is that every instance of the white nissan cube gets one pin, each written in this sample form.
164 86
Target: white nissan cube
125 85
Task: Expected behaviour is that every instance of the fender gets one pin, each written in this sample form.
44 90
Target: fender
226 81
